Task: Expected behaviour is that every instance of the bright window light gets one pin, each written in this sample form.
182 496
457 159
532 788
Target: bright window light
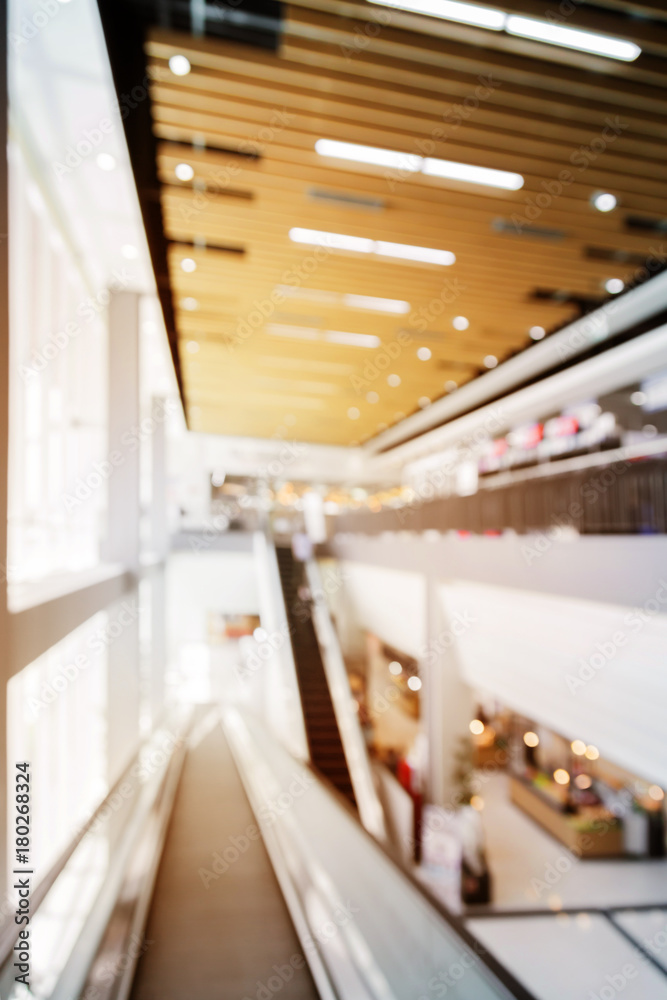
474 175
129 251
450 10
368 154
352 339
433 167
427 255
397 306
358 244
572 38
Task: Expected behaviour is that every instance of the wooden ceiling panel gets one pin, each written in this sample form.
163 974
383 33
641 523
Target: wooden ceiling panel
260 317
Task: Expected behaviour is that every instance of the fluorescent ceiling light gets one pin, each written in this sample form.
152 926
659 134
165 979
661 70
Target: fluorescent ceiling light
427 255
349 301
450 10
572 38
368 154
352 339
396 306
336 241
431 166
299 332
474 175
404 251
332 336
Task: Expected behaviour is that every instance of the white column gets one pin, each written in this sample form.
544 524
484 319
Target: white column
159 528
124 419
123 689
447 700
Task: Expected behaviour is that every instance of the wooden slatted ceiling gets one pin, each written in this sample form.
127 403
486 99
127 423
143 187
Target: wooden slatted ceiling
397 89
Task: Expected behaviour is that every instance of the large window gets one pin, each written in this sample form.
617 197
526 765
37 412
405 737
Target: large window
57 499
57 721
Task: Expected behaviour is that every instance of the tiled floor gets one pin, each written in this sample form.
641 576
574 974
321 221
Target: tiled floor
532 869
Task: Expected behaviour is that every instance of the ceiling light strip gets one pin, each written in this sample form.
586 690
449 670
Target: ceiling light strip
525 27
358 244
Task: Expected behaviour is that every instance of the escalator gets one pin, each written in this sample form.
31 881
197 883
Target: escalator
324 740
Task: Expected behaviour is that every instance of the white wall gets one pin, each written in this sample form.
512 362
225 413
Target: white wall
590 670
391 603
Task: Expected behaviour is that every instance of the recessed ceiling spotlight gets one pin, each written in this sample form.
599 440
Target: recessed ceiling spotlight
129 251
450 385
537 333
393 380
424 353
460 323
490 361
188 264
423 402
638 398
359 244
353 413
604 201
192 346
414 683
614 286
372 397
395 668
180 65
184 171
189 303
572 38
105 161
